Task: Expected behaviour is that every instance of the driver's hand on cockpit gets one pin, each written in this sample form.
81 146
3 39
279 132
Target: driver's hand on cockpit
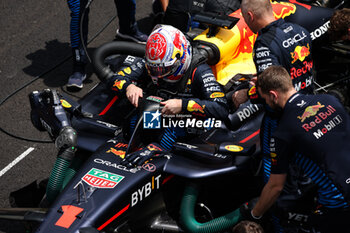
133 93
172 106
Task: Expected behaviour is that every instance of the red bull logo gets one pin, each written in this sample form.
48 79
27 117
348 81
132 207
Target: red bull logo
247 37
252 90
283 9
310 111
156 46
192 106
119 153
252 93
153 147
119 84
300 53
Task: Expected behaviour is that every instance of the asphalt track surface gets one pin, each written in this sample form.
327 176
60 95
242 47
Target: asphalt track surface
34 37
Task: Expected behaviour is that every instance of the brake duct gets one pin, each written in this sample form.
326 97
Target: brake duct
190 224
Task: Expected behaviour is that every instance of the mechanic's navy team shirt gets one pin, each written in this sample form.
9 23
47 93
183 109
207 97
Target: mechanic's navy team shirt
315 131
288 45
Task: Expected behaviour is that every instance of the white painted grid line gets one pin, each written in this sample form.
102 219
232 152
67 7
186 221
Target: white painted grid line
14 162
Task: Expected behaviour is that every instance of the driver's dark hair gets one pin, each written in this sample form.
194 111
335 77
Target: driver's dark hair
274 78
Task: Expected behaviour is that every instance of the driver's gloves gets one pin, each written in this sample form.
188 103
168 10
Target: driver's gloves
246 211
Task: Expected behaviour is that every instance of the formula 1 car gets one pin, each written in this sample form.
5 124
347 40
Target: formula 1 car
198 186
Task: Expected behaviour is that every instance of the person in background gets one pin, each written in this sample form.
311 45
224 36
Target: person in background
180 13
340 25
127 30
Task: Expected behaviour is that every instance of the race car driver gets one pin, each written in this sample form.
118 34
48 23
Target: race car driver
178 73
313 132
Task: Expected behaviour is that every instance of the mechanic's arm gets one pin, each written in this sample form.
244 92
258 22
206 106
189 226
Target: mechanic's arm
210 100
269 194
279 168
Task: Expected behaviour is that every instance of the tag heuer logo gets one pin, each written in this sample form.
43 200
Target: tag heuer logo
102 179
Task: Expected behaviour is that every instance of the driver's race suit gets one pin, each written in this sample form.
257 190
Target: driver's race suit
314 134
201 95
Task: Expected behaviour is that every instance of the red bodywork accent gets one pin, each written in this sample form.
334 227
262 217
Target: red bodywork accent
301 4
167 179
108 106
250 136
114 217
69 215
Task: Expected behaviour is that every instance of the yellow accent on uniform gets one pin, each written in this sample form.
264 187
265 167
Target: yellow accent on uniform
121 73
127 70
65 104
217 95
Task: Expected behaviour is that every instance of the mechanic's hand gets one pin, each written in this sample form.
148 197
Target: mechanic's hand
239 97
172 106
133 93
137 158
253 80
246 211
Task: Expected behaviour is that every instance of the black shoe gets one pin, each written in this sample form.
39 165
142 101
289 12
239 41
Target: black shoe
136 36
76 80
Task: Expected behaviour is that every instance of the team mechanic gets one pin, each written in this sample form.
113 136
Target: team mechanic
314 133
178 74
278 43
